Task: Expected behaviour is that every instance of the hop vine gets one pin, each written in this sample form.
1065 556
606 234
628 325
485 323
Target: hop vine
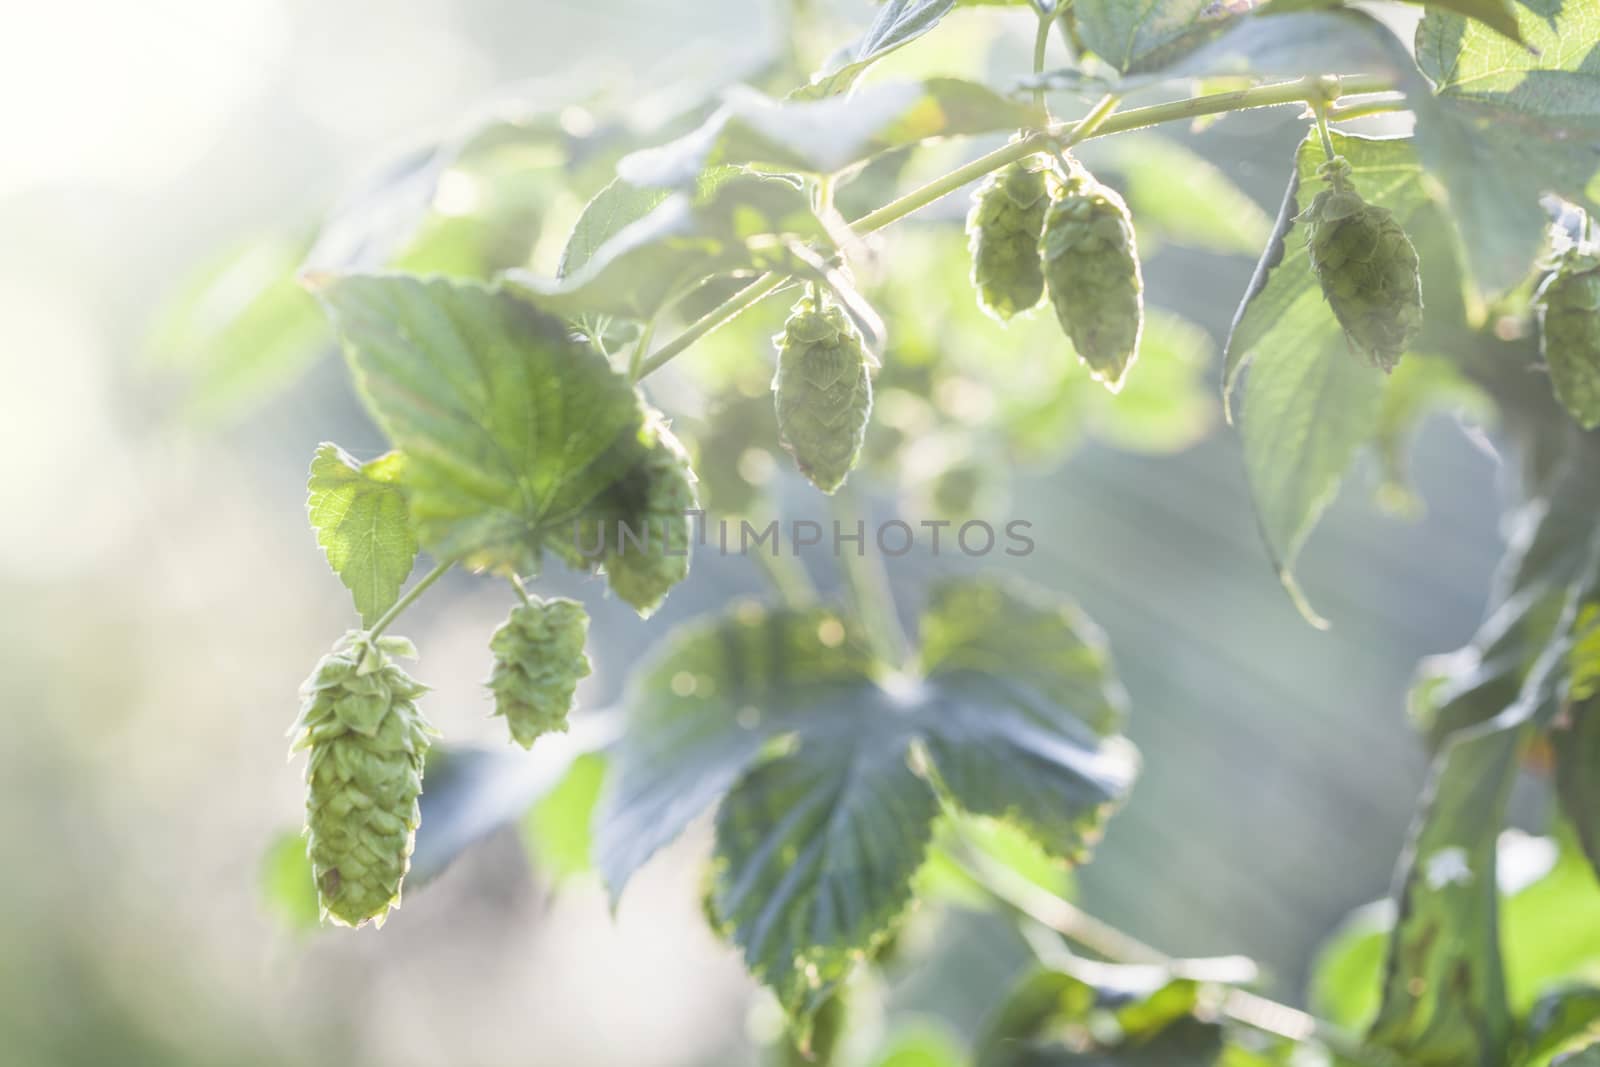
368 742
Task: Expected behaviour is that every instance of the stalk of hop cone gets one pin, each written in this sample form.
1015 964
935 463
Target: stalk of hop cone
1003 230
822 390
1091 262
1367 267
1569 326
368 741
538 659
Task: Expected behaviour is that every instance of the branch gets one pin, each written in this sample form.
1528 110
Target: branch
1098 124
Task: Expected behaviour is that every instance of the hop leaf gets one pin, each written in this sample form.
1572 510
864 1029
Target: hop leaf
822 390
1003 229
1569 322
367 739
1091 262
1367 268
538 659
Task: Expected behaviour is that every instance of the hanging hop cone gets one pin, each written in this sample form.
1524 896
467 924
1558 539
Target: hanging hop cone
1569 325
538 659
359 719
647 552
1003 230
822 390
1367 267
1091 262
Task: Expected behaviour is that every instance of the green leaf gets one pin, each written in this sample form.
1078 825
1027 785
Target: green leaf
921 1046
1577 750
557 829
632 267
1552 538
1102 1015
1147 34
833 768
826 136
1444 996
1510 123
1498 15
470 793
1549 926
510 427
1563 1022
1176 194
287 887
359 513
238 332
898 23
1309 403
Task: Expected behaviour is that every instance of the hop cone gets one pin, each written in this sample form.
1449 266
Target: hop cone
538 659
359 718
1367 267
648 552
822 390
1003 231
1091 262
1569 320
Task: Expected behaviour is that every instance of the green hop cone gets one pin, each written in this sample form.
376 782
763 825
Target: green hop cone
648 523
1091 262
823 391
359 719
538 659
1569 323
1003 230
1367 267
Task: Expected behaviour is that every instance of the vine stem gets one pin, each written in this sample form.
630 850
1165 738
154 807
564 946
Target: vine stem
1029 901
1041 42
410 597
522 590
1301 90
870 592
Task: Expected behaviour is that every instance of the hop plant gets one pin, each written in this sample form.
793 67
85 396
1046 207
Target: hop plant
1367 267
823 391
538 659
1003 230
1569 322
1091 262
359 719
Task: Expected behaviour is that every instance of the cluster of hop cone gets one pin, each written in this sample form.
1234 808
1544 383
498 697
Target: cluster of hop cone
1045 226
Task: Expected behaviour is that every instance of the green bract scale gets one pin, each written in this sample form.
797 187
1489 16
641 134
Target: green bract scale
1091 262
1569 323
823 391
1003 230
538 659
359 719
1367 268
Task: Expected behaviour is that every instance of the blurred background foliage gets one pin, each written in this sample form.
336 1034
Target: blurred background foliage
160 595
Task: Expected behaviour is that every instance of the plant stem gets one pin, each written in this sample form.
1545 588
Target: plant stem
640 349
410 597
522 590
1093 121
870 592
1322 128
1036 904
1041 42
1301 90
